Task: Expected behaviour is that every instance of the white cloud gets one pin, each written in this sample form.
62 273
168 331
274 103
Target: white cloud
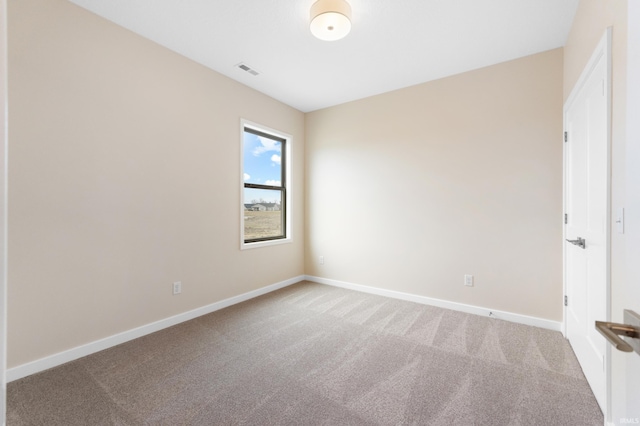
276 158
267 145
246 177
273 182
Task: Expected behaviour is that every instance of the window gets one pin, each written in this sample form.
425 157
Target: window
265 211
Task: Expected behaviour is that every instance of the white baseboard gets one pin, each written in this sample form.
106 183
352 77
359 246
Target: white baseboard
60 358
51 361
470 309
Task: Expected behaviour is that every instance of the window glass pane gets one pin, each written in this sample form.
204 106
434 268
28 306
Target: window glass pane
263 216
262 160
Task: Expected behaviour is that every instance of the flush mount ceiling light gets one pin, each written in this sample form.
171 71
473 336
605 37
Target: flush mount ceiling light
330 19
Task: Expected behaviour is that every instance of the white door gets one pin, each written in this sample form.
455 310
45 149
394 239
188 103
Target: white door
586 201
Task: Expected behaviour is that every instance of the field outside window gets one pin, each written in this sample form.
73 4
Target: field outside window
265 191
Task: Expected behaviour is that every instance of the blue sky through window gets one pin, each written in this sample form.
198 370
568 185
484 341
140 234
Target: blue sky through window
262 165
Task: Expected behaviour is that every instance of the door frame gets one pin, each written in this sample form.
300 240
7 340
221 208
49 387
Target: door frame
602 49
625 366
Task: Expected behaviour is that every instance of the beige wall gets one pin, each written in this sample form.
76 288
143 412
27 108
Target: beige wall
125 164
412 189
125 177
591 20
3 207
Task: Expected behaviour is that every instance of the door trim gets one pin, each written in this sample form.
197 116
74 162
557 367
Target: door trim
602 49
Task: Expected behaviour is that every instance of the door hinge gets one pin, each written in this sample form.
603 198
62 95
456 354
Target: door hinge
566 301
566 218
566 136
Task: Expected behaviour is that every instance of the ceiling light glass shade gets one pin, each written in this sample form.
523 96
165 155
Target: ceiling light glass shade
330 19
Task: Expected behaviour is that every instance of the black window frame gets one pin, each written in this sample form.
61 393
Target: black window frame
282 188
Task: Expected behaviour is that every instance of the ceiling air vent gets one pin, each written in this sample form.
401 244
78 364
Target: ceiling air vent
247 68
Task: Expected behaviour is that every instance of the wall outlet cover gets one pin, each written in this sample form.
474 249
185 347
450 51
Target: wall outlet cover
468 280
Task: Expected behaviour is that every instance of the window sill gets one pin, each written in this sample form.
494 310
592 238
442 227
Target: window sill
258 244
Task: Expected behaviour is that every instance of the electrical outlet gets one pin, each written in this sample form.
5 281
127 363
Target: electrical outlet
468 280
177 287
322 260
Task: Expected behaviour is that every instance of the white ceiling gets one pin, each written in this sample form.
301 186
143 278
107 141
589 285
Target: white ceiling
393 43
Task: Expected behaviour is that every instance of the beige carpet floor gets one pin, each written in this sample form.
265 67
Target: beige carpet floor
311 354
